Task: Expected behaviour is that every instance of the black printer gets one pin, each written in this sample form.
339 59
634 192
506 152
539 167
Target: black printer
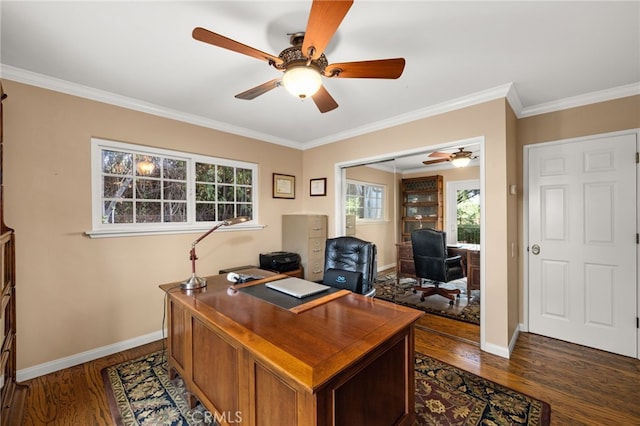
280 261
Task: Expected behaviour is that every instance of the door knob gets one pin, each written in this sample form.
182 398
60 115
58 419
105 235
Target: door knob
535 249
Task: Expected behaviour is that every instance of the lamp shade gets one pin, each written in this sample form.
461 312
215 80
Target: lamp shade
302 81
460 161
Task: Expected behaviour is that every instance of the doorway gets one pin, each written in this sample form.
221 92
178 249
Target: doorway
393 161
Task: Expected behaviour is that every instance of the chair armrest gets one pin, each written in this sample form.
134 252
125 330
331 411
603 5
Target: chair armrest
453 260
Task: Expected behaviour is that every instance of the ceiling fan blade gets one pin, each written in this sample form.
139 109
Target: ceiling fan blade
440 154
207 36
442 160
324 101
380 68
258 90
324 19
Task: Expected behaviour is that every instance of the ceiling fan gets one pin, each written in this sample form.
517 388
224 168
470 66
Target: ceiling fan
458 159
304 63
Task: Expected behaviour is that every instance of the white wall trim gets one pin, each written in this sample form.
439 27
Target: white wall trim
581 100
507 90
500 351
90 355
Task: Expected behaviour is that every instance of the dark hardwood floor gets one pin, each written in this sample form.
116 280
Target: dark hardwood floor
584 386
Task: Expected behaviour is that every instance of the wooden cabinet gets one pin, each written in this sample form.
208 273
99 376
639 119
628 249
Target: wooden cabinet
306 234
422 204
12 394
405 268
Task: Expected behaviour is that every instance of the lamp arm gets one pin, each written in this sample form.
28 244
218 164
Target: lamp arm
192 252
195 282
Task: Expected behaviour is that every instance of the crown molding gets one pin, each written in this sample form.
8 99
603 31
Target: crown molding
452 105
581 100
63 86
507 91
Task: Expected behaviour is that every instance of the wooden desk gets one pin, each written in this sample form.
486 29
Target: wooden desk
348 361
470 258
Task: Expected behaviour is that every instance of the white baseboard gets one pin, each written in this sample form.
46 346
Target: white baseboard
504 352
496 350
70 361
385 267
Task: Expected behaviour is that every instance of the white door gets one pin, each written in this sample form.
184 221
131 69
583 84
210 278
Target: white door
582 242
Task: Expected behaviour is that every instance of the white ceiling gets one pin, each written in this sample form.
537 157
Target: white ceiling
140 54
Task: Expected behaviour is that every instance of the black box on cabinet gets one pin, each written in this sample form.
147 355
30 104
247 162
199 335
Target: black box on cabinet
280 261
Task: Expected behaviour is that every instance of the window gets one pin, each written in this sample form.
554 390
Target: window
463 216
365 200
146 190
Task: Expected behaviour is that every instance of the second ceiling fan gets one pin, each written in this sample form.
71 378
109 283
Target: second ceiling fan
459 159
304 63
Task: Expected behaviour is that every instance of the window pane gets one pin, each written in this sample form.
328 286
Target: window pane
175 191
148 212
174 169
117 187
148 189
205 212
245 210
225 174
366 201
205 192
243 194
225 193
118 212
205 172
225 211
243 176
117 163
147 165
175 212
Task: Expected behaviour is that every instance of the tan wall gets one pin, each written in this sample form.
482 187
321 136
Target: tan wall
382 234
603 117
75 293
487 120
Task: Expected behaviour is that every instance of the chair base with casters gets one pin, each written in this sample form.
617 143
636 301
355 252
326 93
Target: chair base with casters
450 294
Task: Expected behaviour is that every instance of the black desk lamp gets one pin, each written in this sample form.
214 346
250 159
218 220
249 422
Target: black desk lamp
194 281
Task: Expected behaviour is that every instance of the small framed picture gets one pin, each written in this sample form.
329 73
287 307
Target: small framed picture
318 187
284 186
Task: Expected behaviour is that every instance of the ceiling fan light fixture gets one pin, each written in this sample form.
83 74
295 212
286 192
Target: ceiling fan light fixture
460 161
302 81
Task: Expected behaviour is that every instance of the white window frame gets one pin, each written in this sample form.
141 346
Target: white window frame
100 229
452 205
383 201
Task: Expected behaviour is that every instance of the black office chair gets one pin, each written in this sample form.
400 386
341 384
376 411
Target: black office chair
350 263
432 263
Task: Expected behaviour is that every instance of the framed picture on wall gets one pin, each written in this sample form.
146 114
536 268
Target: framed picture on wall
318 187
284 186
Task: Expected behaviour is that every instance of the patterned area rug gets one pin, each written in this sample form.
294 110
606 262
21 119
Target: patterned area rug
466 308
140 393
446 395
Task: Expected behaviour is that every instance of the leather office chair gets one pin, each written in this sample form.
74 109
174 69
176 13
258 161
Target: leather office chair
432 263
350 254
